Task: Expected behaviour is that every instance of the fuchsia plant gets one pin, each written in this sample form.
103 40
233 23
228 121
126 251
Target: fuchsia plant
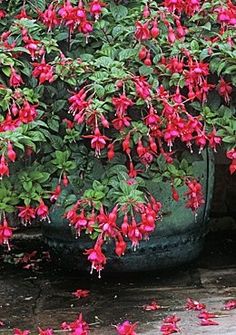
99 96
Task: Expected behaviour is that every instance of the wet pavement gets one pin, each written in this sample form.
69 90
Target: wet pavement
43 297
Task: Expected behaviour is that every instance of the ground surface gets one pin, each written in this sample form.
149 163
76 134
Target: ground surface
44 297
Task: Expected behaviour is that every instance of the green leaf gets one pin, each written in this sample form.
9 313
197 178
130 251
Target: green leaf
7 71
118 12
58 105
127 53
99 89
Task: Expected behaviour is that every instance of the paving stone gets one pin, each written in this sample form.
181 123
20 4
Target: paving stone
44 298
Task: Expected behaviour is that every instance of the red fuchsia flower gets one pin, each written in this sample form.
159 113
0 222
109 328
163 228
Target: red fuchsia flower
147 61
81 293
175 194
175 65
142 53
104 121
142 32
65 180
107 222
224 89
194 194
155 30
49 17
69 124
33 47
26 213
69 16
201 140
48 331
78 105
153 306
126 144
171 37
77 327
122 103
142 88
126 328
42 210
2 14
96 8
2 323
110 152
134 233
146 12
98 141
27 113
231 154
97 257
22 14
56 193
43 71
121 122
206 315
181 31
11 154
152 120
214 140
80 222
191 7
174 5
194 305
4 170
15 78
17 331
208 322
5 233
229 305
9 123
120 246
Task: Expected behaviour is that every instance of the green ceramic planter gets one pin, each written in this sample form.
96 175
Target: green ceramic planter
177 239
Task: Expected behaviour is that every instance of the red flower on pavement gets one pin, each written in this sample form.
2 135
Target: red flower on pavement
208 322
153 306
194 305
206 315
231 304
81 293
48 331
17 331
77 327
126 328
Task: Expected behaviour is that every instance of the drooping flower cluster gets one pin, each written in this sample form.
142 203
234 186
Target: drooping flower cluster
135 229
